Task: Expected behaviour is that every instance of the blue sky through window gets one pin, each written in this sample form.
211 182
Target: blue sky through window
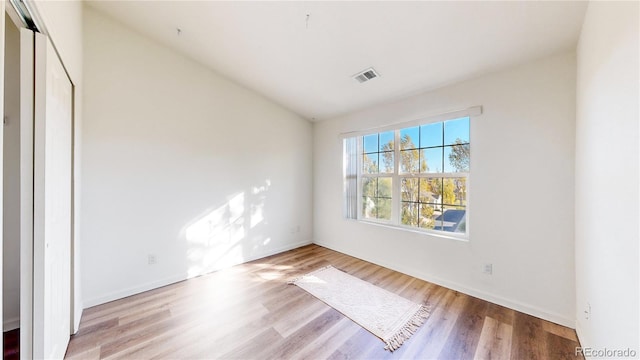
426 136
386 138
371 143
433 157
456 129
414 135
431 135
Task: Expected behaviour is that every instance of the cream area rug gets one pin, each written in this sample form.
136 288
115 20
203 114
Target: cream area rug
386 315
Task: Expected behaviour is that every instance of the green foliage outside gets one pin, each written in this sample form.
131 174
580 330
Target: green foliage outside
459 157
422 199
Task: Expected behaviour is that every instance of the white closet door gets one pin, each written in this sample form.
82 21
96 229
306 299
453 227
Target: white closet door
52 203
26 193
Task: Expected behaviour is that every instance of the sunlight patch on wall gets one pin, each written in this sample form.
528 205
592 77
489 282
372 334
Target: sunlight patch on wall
214 239
259 193
229 234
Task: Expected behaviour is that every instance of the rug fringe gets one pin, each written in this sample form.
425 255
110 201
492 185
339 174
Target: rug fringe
293 281
408 329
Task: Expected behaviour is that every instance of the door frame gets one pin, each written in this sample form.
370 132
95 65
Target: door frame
2 25
33 21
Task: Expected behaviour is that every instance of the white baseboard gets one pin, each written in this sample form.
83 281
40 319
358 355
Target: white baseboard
76 319
496 299
11 324
181 277
582 339
116 295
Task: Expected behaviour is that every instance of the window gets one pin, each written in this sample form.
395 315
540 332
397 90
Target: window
377 168
413 177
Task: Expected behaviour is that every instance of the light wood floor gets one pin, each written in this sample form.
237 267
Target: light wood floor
249 312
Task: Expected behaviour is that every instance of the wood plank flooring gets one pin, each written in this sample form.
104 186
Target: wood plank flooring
250 312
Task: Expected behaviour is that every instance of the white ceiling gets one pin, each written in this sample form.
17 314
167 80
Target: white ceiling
306 64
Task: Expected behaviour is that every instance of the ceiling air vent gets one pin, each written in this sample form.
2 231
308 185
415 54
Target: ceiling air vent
366 75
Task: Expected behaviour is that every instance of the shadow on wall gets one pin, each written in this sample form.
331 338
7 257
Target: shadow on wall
230 234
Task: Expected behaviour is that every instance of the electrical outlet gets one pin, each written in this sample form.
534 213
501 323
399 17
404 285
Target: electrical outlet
587 311
152 260
487 269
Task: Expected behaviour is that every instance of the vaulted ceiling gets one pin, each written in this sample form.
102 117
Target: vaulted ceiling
303 55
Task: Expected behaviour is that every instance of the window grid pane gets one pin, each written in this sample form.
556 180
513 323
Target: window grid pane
386 162
377 197
386 141
439 203
456 131
425 201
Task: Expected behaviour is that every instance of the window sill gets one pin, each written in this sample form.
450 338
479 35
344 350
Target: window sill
434 233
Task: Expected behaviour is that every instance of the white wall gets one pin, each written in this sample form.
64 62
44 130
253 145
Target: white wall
606 187
11 184
521 192
2 10
63 20
182 164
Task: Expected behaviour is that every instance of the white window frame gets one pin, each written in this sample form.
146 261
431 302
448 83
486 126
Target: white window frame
396 176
